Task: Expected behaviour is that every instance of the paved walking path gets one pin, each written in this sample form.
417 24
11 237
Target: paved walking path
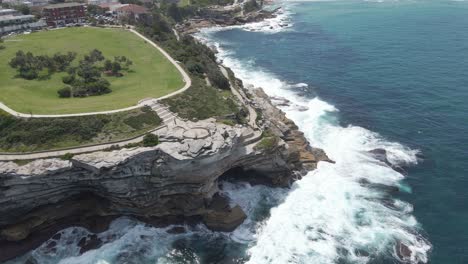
163 112
78 150
187 80
243 98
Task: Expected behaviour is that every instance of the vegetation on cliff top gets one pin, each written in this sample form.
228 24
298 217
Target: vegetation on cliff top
35 134
201 100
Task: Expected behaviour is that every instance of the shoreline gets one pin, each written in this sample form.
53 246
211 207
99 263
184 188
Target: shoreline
307 159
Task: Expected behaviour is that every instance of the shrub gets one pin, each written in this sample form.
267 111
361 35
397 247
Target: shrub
145 118
67 156
68 79
65 92
267 143
195 68
218 79
150 140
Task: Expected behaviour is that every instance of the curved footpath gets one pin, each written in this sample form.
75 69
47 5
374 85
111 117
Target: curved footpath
143 102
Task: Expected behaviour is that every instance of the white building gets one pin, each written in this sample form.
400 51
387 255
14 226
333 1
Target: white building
14 21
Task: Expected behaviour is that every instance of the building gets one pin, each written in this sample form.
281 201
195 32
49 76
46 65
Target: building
99 2
8 12
11 21
30 3
112 7
63 14
131 11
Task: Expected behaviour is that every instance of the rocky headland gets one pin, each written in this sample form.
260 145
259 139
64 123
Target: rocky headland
176 181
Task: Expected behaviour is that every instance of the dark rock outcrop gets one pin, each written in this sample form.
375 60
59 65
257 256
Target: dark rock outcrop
174 181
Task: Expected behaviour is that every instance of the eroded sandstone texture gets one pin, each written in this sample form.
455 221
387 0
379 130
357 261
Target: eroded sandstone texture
176 180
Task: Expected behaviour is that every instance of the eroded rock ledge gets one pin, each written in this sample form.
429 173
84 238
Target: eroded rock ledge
174 181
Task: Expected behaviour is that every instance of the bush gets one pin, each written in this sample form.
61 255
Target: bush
29 74
150 140
145 118
68 79
218 79
65 92
267 143
67 156
195 68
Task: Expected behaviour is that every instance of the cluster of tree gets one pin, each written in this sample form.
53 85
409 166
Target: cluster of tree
1 46
86 79
82 80
115 67
30 66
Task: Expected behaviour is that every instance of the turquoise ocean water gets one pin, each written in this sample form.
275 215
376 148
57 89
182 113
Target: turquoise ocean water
360 75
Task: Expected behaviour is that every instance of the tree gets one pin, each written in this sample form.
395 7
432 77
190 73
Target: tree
218 79
24 9
88 72
1 46
95 10
27 64
94 56
63 61
85 80
65 92
174 12
108 65
116 67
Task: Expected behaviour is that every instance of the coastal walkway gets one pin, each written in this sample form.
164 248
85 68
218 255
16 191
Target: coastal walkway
141 103
163 112
243 98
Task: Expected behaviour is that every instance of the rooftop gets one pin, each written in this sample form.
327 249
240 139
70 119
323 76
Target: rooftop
63 5
136 9
11 17
5 11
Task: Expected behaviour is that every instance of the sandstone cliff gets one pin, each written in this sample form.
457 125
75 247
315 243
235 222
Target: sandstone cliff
174 181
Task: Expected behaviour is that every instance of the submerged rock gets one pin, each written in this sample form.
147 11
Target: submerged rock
225 220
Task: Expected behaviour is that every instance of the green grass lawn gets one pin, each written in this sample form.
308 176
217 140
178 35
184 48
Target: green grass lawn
152 75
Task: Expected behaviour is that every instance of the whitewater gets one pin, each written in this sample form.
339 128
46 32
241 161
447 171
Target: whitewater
339 213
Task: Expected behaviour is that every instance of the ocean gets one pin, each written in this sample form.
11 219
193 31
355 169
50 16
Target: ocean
389 75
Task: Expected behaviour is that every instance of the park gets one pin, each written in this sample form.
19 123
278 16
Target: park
152 75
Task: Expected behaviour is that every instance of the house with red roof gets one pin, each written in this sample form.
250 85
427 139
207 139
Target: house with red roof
131 10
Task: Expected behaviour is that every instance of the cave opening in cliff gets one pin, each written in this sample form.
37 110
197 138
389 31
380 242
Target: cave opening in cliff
239 174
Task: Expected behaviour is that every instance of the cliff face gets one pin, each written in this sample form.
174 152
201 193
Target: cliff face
176 180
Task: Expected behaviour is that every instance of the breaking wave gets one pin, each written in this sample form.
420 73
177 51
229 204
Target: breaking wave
343 212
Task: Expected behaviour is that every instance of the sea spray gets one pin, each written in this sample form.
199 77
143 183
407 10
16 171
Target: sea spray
341 212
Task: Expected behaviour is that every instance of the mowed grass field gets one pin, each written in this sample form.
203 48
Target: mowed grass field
151 75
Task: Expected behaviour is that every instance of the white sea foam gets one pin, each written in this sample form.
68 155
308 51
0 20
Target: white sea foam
280 23
339 211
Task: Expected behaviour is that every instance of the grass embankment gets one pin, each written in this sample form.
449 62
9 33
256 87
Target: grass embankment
151 75
35 134
201 102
